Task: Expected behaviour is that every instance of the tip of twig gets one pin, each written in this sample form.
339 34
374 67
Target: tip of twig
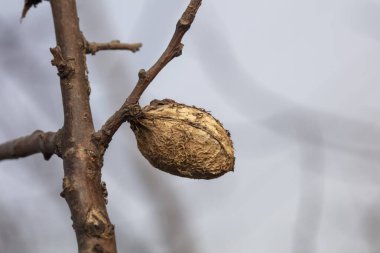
47 156
27 5
137 47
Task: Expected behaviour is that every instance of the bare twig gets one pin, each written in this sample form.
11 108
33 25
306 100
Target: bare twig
104 136
27 5
93 48
38 142
174 49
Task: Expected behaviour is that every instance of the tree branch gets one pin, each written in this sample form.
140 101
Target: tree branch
104 136
38 142
174 49
27 5
77 143
82 162
93 47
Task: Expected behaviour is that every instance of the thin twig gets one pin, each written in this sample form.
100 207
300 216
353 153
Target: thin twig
93 47
38 142
27 5
174 49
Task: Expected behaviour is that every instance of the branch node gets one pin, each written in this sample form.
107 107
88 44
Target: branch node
142 74
184 23
130 108
66 187
178 50
65 68
132 112
174 49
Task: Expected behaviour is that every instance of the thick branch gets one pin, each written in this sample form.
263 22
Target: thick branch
37 142
93 48
82 162
174 49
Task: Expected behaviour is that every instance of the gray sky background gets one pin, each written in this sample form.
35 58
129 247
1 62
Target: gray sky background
296 83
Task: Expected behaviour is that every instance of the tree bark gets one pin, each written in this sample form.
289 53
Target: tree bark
81 148
82 186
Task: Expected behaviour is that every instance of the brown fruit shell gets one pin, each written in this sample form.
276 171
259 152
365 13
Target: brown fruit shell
183 140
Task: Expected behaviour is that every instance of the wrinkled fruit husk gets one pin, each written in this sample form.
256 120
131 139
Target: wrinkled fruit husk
183 140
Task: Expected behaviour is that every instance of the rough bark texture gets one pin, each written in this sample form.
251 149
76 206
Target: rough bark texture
81 148
82 162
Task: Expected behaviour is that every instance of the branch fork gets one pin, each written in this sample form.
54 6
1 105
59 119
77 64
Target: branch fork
174 49
77 143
